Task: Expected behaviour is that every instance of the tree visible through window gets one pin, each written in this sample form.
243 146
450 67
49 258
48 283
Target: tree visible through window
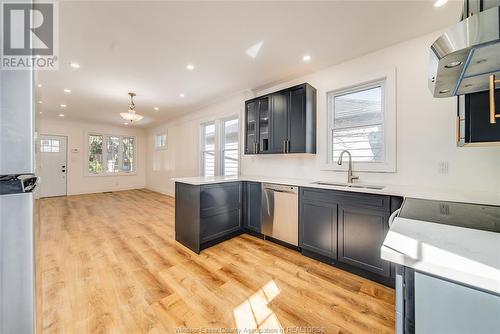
95 154
128 154
110 154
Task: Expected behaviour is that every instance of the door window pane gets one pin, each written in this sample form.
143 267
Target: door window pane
95 154
113 145
128 154
49 146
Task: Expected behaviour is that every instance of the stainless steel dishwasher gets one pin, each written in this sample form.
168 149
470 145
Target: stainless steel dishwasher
280 212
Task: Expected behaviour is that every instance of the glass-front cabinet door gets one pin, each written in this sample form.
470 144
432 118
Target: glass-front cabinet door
251 116
263 144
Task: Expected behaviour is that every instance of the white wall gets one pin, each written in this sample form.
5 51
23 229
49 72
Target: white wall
425 131
77 181
181 158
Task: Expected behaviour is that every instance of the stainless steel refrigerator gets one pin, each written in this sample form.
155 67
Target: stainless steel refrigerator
17 181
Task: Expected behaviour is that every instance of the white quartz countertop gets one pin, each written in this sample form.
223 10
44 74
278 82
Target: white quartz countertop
395 190
459 254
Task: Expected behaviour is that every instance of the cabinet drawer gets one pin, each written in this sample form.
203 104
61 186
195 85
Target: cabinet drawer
363 200
218 198
220 225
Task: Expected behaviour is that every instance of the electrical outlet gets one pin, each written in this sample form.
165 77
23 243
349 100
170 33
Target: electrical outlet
443 167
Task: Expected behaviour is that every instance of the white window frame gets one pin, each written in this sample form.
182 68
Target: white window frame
219 145
222 143
163 147
120 154
202 147
388 83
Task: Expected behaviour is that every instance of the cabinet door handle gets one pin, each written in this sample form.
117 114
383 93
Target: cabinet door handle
493 114
284 146
287 146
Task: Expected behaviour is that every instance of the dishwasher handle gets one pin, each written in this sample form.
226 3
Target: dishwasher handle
268 207
279 188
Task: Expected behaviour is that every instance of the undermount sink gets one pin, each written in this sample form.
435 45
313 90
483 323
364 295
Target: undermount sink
349 185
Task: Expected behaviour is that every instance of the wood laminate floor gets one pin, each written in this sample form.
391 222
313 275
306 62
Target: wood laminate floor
108 263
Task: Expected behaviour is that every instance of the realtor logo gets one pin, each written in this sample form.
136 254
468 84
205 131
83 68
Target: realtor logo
29 36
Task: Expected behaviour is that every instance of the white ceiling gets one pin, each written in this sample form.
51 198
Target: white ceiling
144 47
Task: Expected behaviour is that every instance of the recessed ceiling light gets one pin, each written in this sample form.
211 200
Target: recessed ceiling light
39 85
306 58
125 123
156 108
439 3
40 112
40 102
66 90
453 64
190 67
61 115
74 65
63 106
181 95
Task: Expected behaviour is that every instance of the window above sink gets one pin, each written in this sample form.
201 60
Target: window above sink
362 119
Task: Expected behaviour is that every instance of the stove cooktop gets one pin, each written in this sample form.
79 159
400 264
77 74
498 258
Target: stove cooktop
474 216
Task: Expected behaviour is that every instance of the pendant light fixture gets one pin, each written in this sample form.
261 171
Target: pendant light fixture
131 116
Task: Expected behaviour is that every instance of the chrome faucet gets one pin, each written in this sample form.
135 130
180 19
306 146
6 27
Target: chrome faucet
349 171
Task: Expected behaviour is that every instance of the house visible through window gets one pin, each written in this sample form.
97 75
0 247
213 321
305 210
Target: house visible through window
356 123
220 147
208 149
110 154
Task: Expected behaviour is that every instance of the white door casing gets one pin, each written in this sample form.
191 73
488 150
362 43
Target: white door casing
53 165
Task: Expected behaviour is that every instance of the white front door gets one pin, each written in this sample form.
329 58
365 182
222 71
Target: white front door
53 166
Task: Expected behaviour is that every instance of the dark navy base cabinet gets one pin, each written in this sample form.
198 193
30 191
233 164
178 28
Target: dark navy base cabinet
318 227
251 206
347 229
207 214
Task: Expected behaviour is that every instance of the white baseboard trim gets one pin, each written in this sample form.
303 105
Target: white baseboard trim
163 191
97 191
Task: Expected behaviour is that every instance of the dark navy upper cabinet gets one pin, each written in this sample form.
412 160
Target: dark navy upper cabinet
251 117
279 121
252 205
263 144
361 233
287 121
301 119
474 126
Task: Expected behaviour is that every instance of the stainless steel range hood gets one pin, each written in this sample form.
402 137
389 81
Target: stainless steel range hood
463 59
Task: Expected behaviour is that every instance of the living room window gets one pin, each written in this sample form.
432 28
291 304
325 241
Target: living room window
110 154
